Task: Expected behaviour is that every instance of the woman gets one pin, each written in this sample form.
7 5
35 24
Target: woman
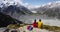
34 23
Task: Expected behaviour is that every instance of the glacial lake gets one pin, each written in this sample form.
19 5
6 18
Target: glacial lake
46 20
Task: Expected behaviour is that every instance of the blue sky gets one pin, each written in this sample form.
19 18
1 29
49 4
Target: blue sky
38 2
30 3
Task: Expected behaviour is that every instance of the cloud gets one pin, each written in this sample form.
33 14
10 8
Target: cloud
29 6
32 6
34 11
5 1
19 1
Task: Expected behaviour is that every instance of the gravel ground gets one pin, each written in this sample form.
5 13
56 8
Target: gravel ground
3 29
22 29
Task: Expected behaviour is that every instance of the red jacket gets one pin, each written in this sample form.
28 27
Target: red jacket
34 24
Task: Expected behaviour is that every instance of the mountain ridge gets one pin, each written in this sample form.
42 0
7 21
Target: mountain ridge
51 9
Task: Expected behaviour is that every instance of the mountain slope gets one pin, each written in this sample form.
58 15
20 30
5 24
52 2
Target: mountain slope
5 20
51 9
14 9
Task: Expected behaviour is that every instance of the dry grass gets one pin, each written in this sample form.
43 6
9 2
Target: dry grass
51 28
14 26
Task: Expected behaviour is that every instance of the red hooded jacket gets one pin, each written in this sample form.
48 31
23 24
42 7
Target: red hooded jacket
34 24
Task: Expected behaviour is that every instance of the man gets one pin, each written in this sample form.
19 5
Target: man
40 23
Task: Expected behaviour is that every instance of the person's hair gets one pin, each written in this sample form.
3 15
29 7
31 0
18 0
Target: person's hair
35 20
40 20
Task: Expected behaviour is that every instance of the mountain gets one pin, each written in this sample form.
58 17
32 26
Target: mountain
14 9
5 20
51 9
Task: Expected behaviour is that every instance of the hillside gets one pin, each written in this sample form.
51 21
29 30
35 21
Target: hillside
51 9
5 20
14 9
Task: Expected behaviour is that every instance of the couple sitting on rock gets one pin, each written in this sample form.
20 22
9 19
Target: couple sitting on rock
37 24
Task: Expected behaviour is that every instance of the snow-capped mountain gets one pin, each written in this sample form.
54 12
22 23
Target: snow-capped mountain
13 8
8 3
51 9
51 5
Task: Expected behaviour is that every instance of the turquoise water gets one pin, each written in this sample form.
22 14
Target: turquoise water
46 20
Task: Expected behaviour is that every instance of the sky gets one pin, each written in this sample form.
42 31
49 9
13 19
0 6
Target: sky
38 2
30 3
